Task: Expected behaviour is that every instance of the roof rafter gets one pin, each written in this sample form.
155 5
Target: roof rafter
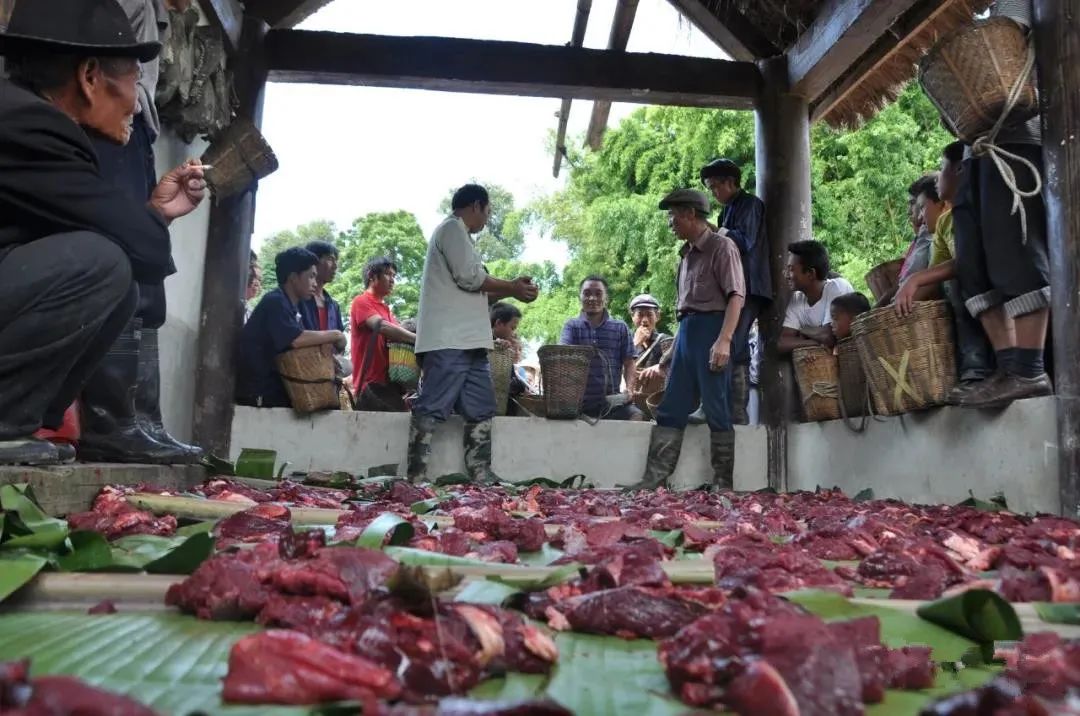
285 14
727 27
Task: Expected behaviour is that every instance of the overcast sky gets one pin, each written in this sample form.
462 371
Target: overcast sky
347 151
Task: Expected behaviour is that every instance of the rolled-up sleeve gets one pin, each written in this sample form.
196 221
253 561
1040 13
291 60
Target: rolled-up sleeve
464 263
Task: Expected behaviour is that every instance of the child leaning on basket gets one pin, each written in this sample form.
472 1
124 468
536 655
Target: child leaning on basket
843 311
505 318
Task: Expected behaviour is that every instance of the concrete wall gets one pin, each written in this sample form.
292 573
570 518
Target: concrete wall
936 456
180 335
929 457
610 453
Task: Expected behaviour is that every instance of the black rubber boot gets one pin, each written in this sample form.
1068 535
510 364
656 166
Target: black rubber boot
148 397
28 451
665 444
740 394
110 430
722 449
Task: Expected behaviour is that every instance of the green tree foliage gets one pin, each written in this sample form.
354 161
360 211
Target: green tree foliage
608 214
320 230
504 235
395 234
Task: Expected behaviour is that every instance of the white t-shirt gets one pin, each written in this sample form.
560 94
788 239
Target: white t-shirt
453 310
800 314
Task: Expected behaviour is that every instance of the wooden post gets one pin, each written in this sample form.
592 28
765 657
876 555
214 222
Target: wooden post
782 140
1057 45
228 250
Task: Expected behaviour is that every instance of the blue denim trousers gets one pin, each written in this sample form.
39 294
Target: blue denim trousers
689 377
456 381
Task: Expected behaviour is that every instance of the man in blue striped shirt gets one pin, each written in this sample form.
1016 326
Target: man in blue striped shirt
615 354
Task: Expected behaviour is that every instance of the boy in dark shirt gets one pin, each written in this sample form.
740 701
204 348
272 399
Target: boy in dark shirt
275 327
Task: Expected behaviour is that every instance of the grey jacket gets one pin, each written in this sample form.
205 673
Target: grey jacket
149 19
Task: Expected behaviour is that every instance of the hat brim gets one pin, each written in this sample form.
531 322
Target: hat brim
666 204
12 44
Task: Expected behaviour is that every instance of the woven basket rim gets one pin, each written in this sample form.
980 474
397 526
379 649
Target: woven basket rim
976 25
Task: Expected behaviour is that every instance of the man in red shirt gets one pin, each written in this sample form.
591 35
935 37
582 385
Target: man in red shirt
368 309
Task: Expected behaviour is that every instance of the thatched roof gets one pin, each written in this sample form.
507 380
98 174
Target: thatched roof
874 79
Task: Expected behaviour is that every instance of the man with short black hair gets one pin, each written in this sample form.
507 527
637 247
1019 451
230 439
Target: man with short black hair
71 242
711 289
454 335
321 312
808 319
275 327
742 220
369 313
614 359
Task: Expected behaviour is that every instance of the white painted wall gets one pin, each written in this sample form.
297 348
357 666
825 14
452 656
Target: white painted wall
936 456
609 453
179 336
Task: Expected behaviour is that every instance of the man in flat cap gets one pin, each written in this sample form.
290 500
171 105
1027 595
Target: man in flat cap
742 220
72 245
711 290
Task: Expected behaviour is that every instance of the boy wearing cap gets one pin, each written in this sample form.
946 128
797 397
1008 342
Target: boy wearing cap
711 290
71 244
743 221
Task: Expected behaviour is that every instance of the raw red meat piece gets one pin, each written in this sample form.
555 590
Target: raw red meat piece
910 668
114 517
351 524
287 667
930 583
608 533
231 491
864 636
227 586
405 493
265 522
446 540
1001 697
508 643
637 563
838 543
491 523
629 612
303 496
1046 665
59 696
103 607
760 690
310 615
907 558
497 551
349 574
749 562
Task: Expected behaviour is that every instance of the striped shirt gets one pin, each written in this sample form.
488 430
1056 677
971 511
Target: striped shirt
613 346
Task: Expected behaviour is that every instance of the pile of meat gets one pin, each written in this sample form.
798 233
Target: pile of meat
1042 677
285 491
21 695
113 516
346 624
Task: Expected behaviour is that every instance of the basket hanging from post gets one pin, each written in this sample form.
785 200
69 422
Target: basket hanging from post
310 379
910 361
502 367
565 371
818 377
239 158
884 277
970 73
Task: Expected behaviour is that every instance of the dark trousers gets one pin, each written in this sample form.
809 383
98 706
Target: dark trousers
456 381
65 298
974 354
131 168
740 342
689 376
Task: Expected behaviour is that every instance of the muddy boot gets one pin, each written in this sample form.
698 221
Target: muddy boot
665 444
28 451
421 430
740 394
148 397
110 430
478 453
722 449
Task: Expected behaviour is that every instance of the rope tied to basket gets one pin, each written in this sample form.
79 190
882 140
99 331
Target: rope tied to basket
822 389
985 146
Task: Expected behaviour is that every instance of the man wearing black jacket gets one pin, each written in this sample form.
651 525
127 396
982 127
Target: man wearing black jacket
71 245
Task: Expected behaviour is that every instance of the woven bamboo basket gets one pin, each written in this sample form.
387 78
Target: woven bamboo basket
852 378
564 371
502 367
239 157
818 377
884 277
309 378
401 366
533 405
969 74
909 362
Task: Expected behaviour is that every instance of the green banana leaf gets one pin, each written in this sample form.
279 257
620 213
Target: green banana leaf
218 466
512 687
668 538
87 552
1058 613
898 628
522 577
486 591
545 556
906 703
425 506
172 663
17 567
387 528
256 463
454 478
388 470
997 502
162 555
196 528
25 524
978 614
574 482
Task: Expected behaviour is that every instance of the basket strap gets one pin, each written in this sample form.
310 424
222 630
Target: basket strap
900 376
986 146
843 413
305 381
369 353
822 389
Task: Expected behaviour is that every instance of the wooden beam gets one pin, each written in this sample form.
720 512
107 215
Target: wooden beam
782 146
622 23
577 39
1057 47
229 16
728 28
921 16
510 68
843 31
285 14
228 250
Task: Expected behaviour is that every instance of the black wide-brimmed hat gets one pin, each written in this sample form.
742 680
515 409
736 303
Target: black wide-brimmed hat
94 27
